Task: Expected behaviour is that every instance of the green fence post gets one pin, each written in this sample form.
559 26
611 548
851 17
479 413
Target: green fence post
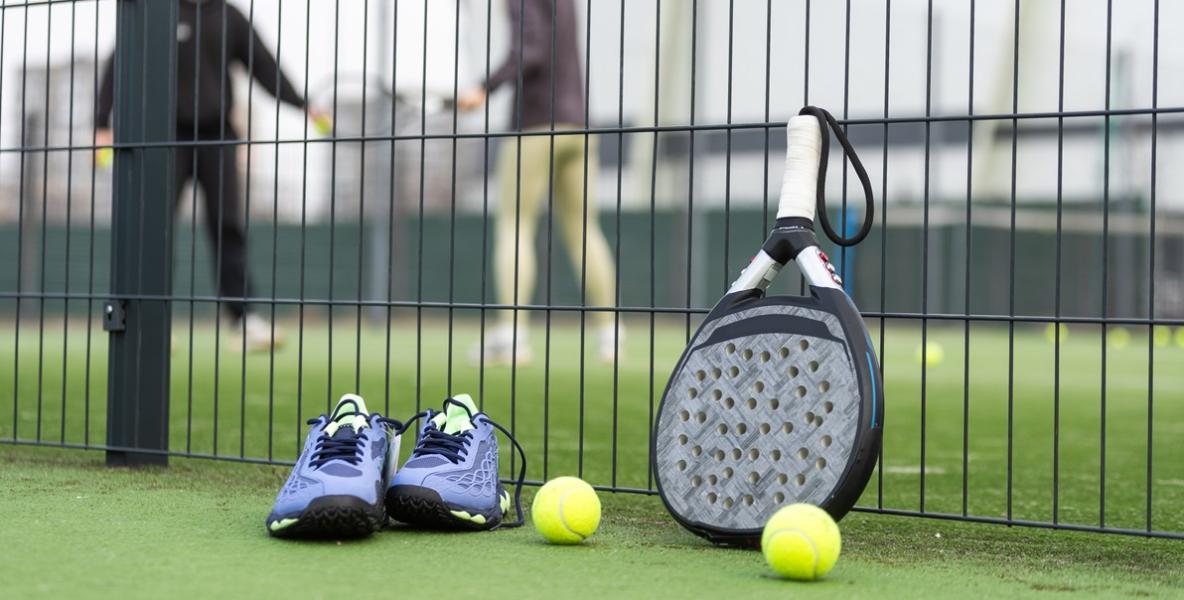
139 318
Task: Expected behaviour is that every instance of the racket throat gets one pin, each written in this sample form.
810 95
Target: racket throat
759 273
791 239
817 268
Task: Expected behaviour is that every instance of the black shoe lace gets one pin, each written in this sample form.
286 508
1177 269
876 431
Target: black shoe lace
347 448
434 441
454 446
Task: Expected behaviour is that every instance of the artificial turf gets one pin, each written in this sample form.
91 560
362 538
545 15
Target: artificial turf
198 525
74 528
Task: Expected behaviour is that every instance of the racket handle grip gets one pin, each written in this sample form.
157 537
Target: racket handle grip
799 181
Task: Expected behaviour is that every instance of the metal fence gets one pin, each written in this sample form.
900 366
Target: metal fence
1024 280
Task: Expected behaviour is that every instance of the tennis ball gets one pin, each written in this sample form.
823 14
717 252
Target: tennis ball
104 157
323 124
566 510
1050 333
801 542
1162 336
932 354
1120 337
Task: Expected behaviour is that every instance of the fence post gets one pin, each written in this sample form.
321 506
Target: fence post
141 222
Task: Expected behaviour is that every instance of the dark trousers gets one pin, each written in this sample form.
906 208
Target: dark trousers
214 169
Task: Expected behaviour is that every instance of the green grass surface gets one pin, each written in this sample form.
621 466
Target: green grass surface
196 530
199 517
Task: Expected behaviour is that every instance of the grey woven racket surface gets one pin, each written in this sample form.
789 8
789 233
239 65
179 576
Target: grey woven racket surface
752 423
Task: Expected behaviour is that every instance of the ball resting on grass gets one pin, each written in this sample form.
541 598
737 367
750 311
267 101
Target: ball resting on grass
1050 333
801 542
566 510
1120 337
1162 336
931 354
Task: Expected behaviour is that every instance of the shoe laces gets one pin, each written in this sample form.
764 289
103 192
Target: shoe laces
435 441
454 447
344 445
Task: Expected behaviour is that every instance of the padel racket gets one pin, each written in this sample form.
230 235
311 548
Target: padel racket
351 92
776 399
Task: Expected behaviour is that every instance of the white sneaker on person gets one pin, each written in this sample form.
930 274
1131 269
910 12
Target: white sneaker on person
502 348
258 333
612 342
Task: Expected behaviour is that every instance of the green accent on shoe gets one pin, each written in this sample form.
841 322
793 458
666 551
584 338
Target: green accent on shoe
460 514
350 410
455 419
280 524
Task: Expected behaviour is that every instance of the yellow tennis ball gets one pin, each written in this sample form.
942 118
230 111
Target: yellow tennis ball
801 542
1162 336
1120 337
932 354
566 510
1050 333
104 157
323 124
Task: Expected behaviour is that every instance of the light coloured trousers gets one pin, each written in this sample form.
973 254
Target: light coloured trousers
525 183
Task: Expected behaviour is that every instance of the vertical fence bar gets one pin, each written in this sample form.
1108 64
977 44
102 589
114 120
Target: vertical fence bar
691 164
90 280
196 57
583 243
1105 271
392 208
275 227
69 219
1015 136
245 283
363 227
44 221
925 247
884 231
218 239
649 478
728 148
21 225
617 251
966 283
548 296
333 202
1056 373
141 247
883 236
1151 262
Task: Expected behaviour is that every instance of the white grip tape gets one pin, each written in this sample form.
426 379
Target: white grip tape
799 182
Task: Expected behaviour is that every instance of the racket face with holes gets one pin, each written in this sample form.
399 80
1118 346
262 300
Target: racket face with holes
775 401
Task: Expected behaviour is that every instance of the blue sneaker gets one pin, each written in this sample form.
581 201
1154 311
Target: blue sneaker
335 489
451 479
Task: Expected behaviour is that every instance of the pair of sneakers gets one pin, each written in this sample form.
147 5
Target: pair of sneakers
346 481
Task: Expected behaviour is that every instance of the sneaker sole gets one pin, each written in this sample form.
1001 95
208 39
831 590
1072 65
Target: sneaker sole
331 517
423 507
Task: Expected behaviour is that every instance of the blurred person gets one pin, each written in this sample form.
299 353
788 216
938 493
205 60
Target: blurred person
548 91
212 35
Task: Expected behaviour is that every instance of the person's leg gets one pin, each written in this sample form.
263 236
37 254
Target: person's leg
576 210
587 247
217 174
524 180
183 157
523 175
